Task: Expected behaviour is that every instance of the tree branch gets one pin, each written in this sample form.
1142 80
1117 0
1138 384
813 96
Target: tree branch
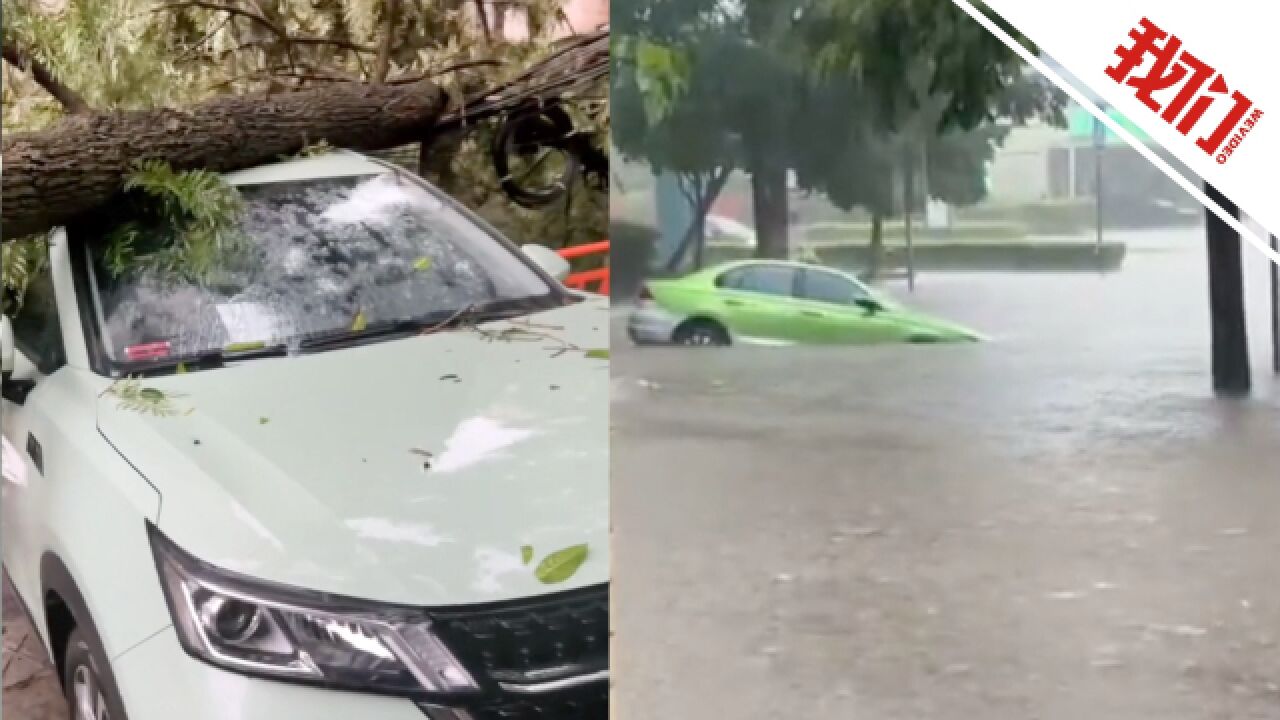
199 44
579 63
445 71
695 235
54 175
229 9
382 65
68 98
264 22
344 44
482 15
301 72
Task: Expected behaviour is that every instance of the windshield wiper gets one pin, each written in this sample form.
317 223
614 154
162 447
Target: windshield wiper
334 339
431 323
208 359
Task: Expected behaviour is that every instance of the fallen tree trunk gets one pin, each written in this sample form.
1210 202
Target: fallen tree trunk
53 175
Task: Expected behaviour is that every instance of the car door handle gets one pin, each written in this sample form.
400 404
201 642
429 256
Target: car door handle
812 313
35 452
734 303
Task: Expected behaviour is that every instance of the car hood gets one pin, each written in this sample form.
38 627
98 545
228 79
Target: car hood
944 329
313 470
926 323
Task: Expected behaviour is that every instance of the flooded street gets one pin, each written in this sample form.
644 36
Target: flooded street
1061 523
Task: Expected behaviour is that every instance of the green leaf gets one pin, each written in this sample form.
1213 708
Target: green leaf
561 564
263 420
661 75
598 353
526 554
244 346
422 263
150 394
359 323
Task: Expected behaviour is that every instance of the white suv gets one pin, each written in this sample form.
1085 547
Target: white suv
363 475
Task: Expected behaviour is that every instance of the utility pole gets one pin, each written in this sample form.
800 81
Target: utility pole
1099 146
908 194
1231 375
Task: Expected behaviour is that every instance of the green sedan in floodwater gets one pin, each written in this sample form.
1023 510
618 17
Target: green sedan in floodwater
776 302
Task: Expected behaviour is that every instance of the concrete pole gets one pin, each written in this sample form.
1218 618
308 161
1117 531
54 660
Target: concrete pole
1231 374
1275 309
1099 148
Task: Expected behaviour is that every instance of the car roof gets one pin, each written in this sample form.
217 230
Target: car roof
339 163
717 270
767 261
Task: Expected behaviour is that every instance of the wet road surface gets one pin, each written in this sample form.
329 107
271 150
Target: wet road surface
31 688
1062 523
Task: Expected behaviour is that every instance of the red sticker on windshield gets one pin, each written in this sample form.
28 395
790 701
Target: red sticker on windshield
147 351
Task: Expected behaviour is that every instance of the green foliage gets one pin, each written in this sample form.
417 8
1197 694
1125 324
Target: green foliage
114 53
907 53
660 72
561 565
315 150
855 96
133 54
188 228
956 163
689 131
136 397
22 259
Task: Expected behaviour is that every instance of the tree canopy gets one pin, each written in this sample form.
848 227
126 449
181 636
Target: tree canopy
95 58
847 94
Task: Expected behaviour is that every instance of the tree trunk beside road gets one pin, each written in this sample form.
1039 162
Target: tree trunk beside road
772 215
1231 374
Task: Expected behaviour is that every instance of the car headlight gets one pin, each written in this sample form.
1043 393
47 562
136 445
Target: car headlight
268 630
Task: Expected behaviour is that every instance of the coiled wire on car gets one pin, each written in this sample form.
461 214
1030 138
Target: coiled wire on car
530 137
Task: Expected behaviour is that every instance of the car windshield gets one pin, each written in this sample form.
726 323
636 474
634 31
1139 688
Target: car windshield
313 257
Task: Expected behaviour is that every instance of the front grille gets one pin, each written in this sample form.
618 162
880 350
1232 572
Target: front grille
526 642
588 703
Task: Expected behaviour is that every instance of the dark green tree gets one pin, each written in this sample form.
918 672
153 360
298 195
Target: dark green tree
855 96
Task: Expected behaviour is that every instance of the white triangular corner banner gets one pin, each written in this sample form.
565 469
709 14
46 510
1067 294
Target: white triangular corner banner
1198 79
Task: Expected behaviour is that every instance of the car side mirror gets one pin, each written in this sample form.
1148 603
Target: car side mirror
14 389
6 345
549 260
871 306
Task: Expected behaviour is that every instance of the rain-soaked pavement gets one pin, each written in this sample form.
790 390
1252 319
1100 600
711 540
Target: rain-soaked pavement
1060 524
31 689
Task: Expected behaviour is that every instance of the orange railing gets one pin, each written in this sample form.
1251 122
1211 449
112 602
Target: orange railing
597 280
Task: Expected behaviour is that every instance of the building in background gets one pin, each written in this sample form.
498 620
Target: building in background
1041 164
508 18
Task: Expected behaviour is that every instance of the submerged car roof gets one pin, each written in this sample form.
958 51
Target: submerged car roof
339 163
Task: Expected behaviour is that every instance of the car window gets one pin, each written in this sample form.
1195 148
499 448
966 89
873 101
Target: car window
763 279
36 329
830 288
315 256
